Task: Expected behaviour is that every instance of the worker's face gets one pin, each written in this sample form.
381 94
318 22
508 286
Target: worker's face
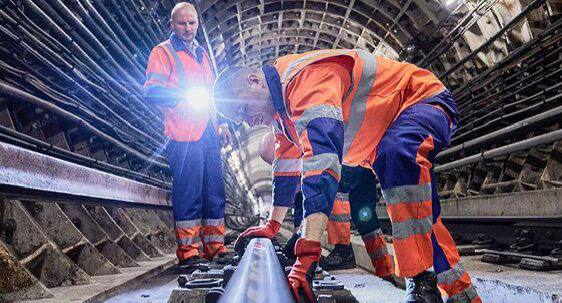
185 24
252 104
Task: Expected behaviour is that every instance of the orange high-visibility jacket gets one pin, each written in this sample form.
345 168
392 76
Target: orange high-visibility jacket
172 71
338 105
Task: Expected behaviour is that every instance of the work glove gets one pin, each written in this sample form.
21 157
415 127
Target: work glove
300 278
269 230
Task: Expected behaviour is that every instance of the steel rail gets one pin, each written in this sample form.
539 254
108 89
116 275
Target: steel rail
259 277
20 139
29 174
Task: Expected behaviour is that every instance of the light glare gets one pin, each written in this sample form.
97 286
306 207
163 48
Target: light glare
198 97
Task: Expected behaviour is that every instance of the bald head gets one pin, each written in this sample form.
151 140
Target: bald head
184 21
241 94
230 83
183 7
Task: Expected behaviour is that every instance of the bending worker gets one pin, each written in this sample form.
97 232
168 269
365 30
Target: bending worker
178 74
356 198
368 110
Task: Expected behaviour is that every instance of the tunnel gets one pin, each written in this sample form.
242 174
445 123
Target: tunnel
85 176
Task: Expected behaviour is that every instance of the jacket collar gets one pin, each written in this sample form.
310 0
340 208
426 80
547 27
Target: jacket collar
275 91
179 45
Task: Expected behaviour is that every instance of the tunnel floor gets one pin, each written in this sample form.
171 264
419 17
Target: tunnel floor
154 290
364 286
494 283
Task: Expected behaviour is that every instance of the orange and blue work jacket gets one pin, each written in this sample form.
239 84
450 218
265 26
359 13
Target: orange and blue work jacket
172 71
333 107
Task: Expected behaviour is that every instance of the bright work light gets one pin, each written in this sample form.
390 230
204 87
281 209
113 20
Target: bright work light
198 97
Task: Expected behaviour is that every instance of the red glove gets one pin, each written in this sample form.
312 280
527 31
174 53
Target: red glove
269 230
300 278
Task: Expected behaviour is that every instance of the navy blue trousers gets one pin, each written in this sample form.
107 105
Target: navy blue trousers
198 195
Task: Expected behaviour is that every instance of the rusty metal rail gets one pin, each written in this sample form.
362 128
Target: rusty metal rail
24 173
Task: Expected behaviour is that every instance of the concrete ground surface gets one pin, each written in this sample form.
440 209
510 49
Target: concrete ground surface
368 288
365 287
495 284
154 281
105 287
154 290
510 284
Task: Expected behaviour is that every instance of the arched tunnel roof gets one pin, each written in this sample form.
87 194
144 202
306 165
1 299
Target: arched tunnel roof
257 31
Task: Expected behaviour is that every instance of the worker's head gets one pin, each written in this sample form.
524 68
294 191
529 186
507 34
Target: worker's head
241 94
184 21
267 147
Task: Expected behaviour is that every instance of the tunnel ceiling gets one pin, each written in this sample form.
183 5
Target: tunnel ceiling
257 31
434 34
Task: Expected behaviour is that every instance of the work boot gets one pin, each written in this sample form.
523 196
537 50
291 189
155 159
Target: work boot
190 264
289 248
341 257
423 289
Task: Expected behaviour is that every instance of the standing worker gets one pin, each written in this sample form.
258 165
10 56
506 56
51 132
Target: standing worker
179 79
369 110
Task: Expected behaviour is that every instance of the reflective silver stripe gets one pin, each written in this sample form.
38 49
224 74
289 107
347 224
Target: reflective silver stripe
157 76
466 296
358 105
339 218
290 71
295 64
372 235
405 229
188 223
379 253
344 197
213 238
450 276
322 162
318 111
286 165
179 65
407 193
188 241
213 222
